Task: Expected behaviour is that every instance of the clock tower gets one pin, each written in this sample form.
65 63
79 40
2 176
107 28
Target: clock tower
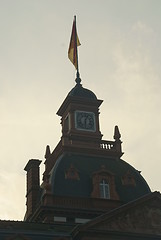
88 192
80 117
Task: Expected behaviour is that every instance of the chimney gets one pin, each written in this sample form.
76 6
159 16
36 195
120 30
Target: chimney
33 186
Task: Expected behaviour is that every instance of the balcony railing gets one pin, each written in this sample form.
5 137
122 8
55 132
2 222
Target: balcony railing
85 203
107 145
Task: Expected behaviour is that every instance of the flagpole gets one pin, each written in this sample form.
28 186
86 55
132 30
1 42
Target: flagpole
78 80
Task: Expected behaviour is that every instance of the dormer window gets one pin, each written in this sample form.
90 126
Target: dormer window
104 184
104 189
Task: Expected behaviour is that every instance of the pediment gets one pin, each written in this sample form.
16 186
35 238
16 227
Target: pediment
141 216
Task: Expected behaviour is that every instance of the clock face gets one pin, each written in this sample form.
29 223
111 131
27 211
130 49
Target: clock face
85 121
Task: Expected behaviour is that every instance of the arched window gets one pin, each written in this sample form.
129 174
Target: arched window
104 189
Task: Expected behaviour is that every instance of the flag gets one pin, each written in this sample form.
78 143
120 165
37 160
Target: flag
74 42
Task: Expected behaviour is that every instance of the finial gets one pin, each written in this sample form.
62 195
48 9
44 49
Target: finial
78 80
117 134
47 153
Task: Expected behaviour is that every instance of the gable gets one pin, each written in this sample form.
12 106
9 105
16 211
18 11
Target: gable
142 216
145 218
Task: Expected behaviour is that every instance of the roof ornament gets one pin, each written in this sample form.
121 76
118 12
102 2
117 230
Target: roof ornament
78 80
117 134
117 137
47 153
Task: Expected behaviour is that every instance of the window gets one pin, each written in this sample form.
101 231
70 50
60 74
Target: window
82 220
59 219
104 189
104 185
66 123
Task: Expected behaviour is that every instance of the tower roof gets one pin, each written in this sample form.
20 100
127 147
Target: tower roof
79 91
79 95
72 176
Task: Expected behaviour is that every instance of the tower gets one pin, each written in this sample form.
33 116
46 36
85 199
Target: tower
88 192
80 117
84 175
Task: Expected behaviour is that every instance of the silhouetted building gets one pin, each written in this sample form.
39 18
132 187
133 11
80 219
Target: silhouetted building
88 192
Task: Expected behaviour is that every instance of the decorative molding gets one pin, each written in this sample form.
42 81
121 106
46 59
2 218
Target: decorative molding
72 173
145 218
128 179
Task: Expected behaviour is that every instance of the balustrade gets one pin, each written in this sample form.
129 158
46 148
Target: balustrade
107 145
84 203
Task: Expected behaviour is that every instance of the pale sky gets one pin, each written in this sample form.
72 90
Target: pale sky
120 61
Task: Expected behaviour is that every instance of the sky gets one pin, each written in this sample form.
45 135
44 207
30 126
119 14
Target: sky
119 60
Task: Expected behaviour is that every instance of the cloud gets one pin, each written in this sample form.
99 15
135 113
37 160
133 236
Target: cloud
137 91
11 187
141 27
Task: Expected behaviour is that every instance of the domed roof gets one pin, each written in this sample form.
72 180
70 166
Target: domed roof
79 91
85 167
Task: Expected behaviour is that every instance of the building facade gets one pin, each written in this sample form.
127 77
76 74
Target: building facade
88 191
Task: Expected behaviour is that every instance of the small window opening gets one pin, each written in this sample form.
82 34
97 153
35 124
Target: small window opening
66 123
104 189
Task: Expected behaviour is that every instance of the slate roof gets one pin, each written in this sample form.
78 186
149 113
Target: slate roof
79 91
32 231
86 166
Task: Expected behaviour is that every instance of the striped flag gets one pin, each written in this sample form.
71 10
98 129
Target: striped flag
74 43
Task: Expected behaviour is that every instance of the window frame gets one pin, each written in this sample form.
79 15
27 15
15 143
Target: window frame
104 189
